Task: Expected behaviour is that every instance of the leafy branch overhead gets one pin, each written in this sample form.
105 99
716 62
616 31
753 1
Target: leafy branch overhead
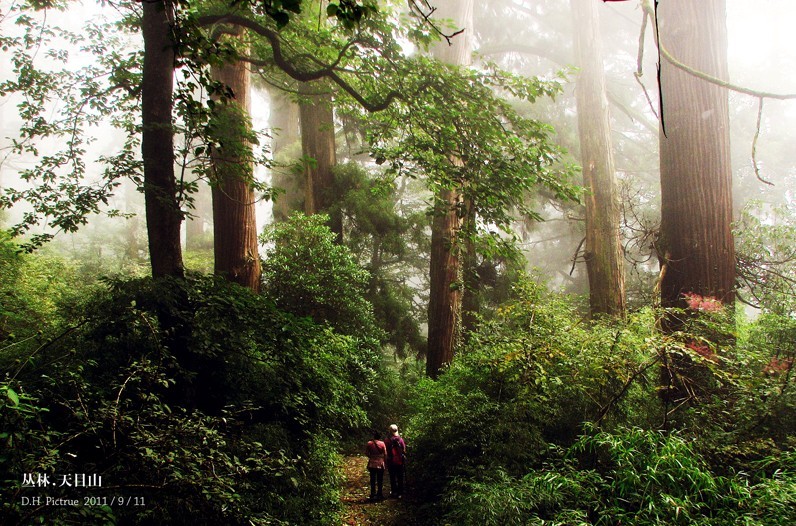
348 12
288 65
503 155
361 57
60 106
421 113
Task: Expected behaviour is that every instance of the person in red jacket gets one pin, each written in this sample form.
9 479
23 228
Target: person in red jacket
377 456
396 461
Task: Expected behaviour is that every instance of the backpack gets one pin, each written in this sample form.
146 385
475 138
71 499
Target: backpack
395 452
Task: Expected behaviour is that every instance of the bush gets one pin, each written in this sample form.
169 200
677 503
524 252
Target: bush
526 379
491 432
196 395
306 273
544 497
31 289
628 477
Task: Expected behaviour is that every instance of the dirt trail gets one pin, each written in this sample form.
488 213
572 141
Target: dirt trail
358 511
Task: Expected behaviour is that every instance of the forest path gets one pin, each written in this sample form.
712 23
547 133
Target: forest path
358 511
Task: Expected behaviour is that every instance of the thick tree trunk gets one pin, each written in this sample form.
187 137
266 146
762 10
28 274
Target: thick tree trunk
284 122
696 244
445 295
318 143
604 258
445 298
459 51
234 222
163 214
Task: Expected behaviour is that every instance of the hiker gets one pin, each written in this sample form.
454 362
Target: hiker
377 455
396 461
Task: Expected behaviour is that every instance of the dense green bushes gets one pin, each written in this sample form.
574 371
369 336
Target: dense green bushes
30 290
306 273
631 476
204 400
526 379
502 437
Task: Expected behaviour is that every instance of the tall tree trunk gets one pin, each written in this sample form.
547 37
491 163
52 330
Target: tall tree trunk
445 296
318 144
234 221
284 122
604 258
471 281
163 213
696 243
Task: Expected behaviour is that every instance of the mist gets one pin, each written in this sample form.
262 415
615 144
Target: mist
529 38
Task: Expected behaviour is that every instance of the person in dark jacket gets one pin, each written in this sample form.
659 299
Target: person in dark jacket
396 461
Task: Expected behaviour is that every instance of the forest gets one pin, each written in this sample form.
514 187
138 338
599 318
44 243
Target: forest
553 241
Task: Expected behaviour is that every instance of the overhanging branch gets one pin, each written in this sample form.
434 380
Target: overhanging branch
285 63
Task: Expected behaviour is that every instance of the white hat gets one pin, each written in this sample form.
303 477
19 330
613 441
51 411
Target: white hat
393 428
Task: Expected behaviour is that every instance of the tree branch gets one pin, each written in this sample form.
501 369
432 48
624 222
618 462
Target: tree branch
426 16
575 256
641 370
754 143
285 64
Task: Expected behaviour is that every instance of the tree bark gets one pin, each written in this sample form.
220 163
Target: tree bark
234 222
318 147
471 282
163 214
696 245
604 258
445 296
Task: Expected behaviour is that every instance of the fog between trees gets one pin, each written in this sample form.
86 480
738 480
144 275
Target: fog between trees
537 39
553 239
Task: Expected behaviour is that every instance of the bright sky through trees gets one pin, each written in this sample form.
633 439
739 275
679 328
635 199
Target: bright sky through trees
761 43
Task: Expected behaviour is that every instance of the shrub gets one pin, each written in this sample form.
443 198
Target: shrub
31 289
306 273
526 379
195 395
530 380
544 497
632 476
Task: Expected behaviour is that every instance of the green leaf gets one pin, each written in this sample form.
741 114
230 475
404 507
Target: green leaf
12 396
